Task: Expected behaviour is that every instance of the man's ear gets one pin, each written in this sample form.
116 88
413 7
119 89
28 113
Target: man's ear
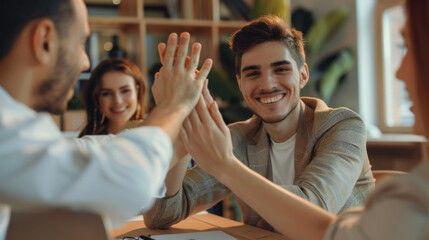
305 75
44 42
238 80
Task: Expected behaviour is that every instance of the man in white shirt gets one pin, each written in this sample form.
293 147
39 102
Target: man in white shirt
41 56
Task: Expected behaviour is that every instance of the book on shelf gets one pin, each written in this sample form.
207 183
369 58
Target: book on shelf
237 8
93 50
188 9
179 9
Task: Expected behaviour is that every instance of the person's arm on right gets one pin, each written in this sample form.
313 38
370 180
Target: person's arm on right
176 175
286 212
188 190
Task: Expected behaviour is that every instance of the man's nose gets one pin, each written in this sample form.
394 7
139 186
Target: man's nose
85 60
268 82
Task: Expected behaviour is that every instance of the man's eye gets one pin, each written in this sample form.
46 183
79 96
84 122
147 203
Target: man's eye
105 94
252 74
281 69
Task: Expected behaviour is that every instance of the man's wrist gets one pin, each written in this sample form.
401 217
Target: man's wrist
226 170
181 109
160 111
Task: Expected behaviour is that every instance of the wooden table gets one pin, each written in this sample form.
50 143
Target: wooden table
199 223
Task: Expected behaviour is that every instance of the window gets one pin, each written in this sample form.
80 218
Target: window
395 115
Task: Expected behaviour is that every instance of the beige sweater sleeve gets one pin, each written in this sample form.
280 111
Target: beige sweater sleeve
398 209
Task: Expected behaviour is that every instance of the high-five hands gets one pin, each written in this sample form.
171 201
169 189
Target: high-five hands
206 137
178 83
177 86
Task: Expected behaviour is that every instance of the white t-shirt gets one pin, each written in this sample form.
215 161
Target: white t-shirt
282 161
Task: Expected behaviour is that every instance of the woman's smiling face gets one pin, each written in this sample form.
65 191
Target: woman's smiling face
118 97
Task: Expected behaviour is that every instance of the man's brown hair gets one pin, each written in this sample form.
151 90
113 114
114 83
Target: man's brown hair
16 14
264 29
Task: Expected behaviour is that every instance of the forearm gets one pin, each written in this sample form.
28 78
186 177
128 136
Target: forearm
199 192
175 176
93 172
286 212
169 118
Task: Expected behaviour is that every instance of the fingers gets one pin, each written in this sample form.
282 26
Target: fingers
194 119
217 117
203 113
161 50
184 136
173 54
179 57
182 52
187 61
205 69
195 57
206 93
187 127
170 51
155 90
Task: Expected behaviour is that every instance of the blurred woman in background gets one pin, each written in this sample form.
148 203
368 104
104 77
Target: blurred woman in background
115 94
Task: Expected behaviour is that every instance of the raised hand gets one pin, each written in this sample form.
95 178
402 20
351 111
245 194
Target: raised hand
178 84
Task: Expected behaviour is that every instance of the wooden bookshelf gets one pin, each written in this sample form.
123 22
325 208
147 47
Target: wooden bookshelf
130 23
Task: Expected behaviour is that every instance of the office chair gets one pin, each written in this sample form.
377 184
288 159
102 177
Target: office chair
46 224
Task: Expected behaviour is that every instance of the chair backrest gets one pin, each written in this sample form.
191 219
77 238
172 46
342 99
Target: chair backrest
46 224
383 175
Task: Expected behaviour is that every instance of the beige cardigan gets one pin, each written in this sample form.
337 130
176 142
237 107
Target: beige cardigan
397 210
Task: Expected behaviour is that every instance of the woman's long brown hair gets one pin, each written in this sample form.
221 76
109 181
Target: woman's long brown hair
91 93
418 17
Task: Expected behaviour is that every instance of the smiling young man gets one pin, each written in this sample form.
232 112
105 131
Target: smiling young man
300 144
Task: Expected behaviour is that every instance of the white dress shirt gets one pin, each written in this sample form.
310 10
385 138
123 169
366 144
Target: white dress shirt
115 175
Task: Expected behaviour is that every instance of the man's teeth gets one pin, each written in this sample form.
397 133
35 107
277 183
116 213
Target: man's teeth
271 99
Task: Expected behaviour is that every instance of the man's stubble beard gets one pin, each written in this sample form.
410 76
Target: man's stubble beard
53 92
278 120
